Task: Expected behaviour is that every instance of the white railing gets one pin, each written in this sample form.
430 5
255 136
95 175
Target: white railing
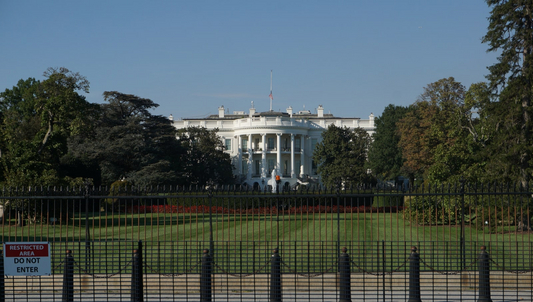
272 121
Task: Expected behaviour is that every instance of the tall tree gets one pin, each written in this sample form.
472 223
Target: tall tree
429 131
37 120
205 160
385 157
477 136
341 156
510 32
130 143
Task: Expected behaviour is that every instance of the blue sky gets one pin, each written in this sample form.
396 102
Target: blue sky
190 57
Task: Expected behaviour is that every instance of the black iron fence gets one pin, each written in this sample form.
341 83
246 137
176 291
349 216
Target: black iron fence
277 247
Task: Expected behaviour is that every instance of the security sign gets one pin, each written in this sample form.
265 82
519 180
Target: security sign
27 259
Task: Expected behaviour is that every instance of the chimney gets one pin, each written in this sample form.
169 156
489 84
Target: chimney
221 111
371 119
252 111
320 111
289 111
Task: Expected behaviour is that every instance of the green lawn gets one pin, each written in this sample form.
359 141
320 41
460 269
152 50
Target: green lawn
307 242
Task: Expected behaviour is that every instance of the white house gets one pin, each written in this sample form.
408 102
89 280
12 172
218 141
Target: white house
273 143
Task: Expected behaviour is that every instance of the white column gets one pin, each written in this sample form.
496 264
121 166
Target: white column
264 156
278 164
250 157
303 163
239 155
292 156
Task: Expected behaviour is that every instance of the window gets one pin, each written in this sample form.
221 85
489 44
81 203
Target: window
298 167
297 144
271 143
270 165
227 144
244 167
244 146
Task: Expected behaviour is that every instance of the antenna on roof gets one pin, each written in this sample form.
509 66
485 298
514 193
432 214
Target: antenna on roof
270 96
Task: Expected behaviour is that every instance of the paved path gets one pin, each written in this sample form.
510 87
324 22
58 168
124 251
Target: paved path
507 296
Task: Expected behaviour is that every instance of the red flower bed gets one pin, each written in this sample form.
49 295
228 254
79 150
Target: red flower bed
203 209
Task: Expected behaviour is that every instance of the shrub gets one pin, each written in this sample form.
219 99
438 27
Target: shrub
433 209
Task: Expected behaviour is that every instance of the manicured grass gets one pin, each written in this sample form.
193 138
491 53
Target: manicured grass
174 242
356 227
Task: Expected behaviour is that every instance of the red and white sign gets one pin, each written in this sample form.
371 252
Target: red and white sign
27 259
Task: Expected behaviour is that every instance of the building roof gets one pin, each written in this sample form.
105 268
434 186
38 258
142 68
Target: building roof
300 114
271 113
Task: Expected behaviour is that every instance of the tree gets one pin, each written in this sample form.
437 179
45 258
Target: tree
37 120
19 124
385 157
205 160
129 143
341 156
477 136
510 31
430 131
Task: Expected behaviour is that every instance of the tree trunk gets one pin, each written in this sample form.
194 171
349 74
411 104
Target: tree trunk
48 133
526 102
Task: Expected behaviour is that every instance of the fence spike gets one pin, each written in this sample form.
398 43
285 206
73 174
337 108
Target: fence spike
68 278
414 276
205 277
275 277
2 284
344 276
137 275
484 276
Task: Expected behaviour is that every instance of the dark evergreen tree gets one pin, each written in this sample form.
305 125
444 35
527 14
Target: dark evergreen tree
205 162
130 143
341 156
510 32
384 156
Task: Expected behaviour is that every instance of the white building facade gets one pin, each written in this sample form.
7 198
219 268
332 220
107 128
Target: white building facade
271 143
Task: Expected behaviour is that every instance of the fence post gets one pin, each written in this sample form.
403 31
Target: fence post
344 276
68 278
275 277
137 275
205 277
484 276
414 276
2 284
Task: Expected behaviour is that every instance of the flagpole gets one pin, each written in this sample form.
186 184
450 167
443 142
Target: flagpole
271 90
